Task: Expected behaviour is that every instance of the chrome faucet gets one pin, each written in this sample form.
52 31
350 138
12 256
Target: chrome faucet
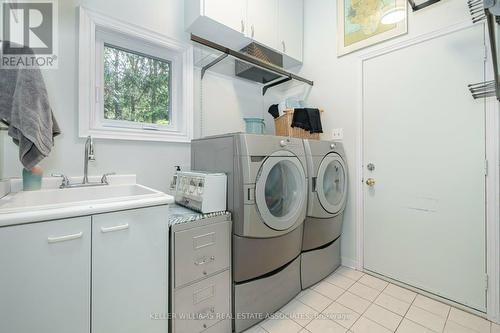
89 156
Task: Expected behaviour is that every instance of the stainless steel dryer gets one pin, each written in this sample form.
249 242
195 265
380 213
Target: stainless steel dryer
327 175
267 195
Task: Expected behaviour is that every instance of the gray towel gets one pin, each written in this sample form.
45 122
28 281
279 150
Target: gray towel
25 108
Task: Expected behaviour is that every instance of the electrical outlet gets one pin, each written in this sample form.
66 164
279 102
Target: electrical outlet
338 134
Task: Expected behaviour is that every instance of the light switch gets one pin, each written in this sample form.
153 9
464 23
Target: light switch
338 134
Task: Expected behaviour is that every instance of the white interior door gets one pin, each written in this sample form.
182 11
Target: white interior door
424 135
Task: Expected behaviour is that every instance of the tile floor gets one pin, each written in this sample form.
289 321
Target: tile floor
351 301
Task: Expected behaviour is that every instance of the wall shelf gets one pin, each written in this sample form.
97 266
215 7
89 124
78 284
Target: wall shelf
214 56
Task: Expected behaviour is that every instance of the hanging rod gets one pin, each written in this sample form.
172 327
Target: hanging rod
423 5
249 59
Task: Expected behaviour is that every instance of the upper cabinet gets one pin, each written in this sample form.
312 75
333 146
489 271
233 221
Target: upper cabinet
262 18
230 13
276 24
291 28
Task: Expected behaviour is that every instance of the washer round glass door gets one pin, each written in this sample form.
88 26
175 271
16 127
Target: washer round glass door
280 192
331 184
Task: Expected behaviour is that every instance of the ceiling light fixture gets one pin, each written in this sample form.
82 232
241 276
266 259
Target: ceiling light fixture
394 15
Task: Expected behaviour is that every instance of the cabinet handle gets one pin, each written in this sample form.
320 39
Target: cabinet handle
64 238
204 261
284 45
115 228
253 31
242 26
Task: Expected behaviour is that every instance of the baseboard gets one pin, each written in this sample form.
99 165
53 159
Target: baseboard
348 262
4 188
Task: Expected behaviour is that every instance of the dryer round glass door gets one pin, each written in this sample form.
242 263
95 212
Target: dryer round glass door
331 184
280 192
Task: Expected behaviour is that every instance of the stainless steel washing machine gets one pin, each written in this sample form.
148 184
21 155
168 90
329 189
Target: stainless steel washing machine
327 196
267 195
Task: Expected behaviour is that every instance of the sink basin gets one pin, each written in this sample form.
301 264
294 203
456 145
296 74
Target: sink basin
23 207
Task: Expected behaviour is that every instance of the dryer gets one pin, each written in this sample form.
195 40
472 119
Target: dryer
267 195
327 196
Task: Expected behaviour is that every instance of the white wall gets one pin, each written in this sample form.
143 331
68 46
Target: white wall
224 102
337 80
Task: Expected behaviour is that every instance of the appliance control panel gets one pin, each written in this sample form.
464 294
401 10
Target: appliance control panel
201 191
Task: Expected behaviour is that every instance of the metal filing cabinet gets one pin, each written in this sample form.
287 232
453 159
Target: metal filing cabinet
200 271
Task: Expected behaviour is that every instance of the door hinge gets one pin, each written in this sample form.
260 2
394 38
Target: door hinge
486 167
486 282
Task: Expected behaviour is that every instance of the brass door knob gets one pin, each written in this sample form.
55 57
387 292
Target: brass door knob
370 182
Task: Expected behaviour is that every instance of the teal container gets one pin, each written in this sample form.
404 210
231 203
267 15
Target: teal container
255 125
31 181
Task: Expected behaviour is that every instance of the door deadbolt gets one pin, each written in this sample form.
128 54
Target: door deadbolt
370 166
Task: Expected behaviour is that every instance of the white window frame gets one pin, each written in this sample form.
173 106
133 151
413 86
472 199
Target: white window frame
96 30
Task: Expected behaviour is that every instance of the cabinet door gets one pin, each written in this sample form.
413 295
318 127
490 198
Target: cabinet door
291 27
45 277
129 271
263 22
230 13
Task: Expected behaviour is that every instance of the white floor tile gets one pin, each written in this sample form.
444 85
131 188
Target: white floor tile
426 319
314 299
365 325
324 325
469 320
280 325
393 304
402 294
341 315
340 280
373 282
452 327
328 290
255 329
431 305
383 317
364 291
495 328
299 312
408 326
350 273
353 302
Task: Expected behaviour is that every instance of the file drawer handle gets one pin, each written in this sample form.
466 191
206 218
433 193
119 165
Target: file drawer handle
64 238
115 228
204 261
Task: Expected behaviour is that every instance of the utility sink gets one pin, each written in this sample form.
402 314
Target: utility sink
32 206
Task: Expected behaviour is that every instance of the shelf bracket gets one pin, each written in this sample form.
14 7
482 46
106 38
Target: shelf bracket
212 63
274 84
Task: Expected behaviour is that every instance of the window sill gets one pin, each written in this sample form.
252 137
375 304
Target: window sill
138 135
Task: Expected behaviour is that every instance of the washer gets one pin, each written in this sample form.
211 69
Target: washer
267 195
327 196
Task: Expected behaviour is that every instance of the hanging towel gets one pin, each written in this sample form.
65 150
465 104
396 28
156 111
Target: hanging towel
307 119
25 108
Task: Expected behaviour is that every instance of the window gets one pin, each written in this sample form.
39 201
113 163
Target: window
134 83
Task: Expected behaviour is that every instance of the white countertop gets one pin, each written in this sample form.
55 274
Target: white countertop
51 203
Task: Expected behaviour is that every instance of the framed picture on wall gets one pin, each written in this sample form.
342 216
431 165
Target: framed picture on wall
362 23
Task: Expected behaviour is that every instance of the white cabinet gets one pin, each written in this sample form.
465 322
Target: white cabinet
45 277
262 16
276 24
129 271
110 270
291 28
230 13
